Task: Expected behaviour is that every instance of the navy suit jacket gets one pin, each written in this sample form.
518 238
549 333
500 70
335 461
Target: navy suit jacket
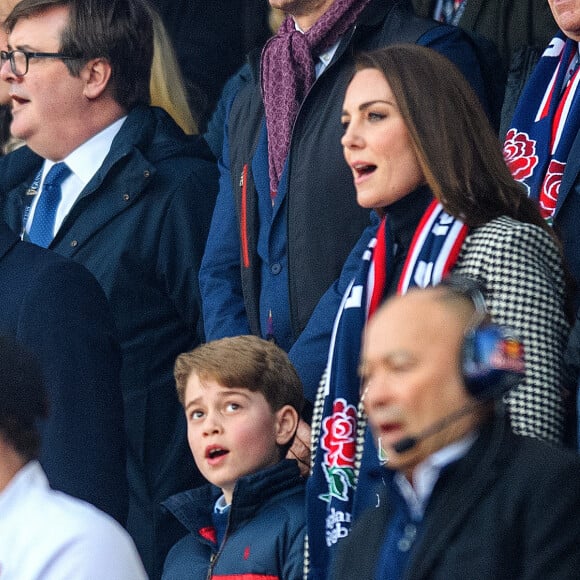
567 214
508 509
57 310
139 226
566 220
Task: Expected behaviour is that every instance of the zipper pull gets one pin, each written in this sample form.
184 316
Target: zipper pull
212 560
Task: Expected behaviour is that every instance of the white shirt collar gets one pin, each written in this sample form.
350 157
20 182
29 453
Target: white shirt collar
426 474
325 57
86 159
19 485
220 505
83 162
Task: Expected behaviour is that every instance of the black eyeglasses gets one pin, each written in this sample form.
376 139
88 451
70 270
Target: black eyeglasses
19 59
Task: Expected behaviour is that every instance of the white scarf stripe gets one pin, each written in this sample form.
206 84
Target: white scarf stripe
547 95
443 258
565 111
416 248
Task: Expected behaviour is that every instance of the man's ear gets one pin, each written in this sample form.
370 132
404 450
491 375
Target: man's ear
286 424
96 75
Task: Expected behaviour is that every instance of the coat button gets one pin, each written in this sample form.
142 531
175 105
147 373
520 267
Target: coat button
276 268
74 244
147 173
126 197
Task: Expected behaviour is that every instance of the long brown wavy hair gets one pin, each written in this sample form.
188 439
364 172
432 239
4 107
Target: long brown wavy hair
457 149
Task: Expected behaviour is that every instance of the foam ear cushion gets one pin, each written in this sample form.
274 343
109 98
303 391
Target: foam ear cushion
492 361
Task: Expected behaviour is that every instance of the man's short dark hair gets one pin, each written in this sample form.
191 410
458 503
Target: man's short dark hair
119 31
23 399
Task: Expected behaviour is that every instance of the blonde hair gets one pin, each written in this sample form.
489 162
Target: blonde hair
167 85
275 18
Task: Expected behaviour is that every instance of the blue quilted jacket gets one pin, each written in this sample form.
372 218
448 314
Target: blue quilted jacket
264 538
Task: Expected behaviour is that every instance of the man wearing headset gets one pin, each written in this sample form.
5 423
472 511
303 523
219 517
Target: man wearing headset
460 495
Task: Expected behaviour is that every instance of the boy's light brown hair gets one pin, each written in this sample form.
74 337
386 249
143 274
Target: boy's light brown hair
246 362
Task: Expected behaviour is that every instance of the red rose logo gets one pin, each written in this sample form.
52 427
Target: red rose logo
551 188
339 431
519 152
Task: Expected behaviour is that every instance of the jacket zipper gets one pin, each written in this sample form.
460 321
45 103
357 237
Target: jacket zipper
212 562
215 555
244 217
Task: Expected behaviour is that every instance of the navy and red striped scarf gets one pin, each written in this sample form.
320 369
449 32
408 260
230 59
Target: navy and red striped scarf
332 484
545 124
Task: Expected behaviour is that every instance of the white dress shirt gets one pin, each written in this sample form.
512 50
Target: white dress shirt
83 162
324 58
48 535
426 474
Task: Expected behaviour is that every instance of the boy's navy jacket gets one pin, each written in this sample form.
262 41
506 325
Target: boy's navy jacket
265 534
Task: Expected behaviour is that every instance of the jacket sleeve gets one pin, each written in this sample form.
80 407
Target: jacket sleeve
65 320
183 238
521 268
537 312
552 526
309 353
224 312
291 541
214 134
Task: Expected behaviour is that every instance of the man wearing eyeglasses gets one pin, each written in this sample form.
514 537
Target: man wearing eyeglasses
114 184
7 142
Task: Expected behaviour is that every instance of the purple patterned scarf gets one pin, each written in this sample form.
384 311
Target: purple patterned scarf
288 73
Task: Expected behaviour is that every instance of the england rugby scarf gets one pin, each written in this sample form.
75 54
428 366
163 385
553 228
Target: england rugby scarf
545 124
432 254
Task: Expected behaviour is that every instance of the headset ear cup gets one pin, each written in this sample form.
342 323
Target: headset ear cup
492 361
468 361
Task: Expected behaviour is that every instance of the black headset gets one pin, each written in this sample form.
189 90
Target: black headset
492 357
492 362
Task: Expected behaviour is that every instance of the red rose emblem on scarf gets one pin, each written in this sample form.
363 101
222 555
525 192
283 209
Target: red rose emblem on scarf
339 435
551 188
519 152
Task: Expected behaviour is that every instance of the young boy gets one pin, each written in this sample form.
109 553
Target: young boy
242 399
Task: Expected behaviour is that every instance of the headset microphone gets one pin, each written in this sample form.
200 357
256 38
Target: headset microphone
407 443
492 363
381 453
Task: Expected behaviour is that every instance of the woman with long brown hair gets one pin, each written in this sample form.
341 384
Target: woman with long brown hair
426 160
